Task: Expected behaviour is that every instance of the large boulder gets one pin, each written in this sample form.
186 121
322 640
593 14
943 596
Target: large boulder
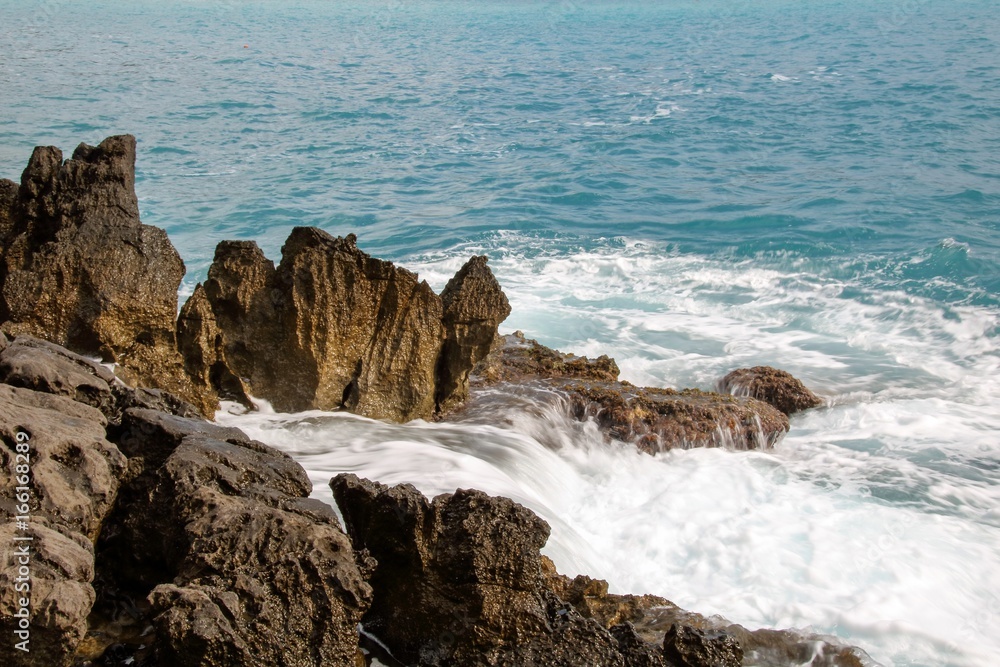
60 480
458 580
240 566
331 327
79 268
776 387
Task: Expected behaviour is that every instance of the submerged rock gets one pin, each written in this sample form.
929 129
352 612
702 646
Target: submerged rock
458 580
79 268
520 373
772 386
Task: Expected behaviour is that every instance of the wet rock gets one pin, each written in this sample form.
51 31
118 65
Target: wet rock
657 420
78 267
514 358
74 480
772 386
685 646
241 567
636 651
471 564
591 598
474 306
331 327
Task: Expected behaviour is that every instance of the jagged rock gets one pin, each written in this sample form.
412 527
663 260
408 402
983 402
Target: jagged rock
73 481
690 647
241 567
474 306
637 651
640 623
770 385
658 420
470 564
8 194
514 358
330 327
591 598
199 336
78 267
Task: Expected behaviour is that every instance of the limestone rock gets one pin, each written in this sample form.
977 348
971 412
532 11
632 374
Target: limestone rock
78 267
658 420
240 566
61 595
331 327
474 306
770 385
36 364
470 563
690 647
515 358
74 480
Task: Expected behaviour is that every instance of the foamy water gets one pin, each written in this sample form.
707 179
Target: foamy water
874 520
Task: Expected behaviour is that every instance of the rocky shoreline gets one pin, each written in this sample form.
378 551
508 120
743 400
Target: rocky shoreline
156 537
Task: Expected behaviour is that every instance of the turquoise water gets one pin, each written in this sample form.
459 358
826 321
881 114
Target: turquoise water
688 186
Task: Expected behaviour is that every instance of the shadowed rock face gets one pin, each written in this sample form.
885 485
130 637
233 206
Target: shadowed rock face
458 580
770 385
78 267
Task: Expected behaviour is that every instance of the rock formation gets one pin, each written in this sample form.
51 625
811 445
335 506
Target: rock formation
78 267
56 490
471 565
199 532
652 419
770 385
474 306
332 327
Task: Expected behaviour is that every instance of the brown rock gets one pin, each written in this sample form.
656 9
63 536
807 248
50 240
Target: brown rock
474 306
514 358
658 420
78 267
61 595
770 385
685 646
240 566
73 482
331 327
470 564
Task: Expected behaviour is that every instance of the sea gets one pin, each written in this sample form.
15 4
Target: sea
688 186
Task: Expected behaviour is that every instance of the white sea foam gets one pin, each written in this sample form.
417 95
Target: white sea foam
874 520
